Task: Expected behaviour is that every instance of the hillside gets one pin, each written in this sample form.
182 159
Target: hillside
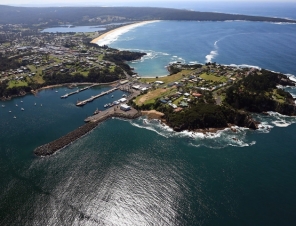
100 15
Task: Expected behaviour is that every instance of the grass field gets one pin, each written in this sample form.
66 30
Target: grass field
212 77
151 96
13 83
169 78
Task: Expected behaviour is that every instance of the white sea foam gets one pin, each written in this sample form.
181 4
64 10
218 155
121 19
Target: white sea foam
113 36
211 56
243 66
236 136
291 77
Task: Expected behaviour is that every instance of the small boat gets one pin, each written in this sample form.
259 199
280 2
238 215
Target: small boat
14 117
16 105
22 109
96 112
41 105
112 96
21 101
35 104
9 111
56 91
106 105
3 106
123 95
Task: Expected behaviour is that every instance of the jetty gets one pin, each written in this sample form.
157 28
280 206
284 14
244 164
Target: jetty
91 123
64 141
77 91
83 102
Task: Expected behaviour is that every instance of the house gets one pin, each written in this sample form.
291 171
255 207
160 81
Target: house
136 87
125 107
159 82
196 94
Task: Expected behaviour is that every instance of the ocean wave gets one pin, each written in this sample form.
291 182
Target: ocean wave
291 77
211 56
244 66
235 136
267 122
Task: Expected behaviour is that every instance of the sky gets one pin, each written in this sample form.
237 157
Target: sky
115 2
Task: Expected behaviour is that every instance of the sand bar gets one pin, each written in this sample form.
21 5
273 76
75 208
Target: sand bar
112 35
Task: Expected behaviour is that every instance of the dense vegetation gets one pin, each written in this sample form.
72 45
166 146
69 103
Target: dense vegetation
121 56
257 92
78 15
6 63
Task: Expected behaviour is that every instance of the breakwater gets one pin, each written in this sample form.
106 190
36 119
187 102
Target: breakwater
64 141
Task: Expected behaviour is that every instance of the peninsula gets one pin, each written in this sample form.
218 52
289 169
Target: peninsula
41 17
192 97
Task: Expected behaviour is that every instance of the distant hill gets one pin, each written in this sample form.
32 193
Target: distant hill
101 15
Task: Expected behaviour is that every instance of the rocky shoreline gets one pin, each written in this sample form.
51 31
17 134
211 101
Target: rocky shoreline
56 145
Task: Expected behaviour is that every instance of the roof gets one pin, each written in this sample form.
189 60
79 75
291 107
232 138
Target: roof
196 94
125 106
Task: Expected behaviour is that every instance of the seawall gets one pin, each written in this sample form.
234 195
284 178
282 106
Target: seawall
62 142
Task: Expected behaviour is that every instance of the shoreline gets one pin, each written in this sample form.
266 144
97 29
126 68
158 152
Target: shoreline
34 92
133 25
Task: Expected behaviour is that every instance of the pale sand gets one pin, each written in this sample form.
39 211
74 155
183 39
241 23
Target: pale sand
153 114
121 28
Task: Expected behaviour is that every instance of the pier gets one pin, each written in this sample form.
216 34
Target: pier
77 91
91 123
64 141
81 103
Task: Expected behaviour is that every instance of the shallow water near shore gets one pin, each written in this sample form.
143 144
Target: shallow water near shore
139 172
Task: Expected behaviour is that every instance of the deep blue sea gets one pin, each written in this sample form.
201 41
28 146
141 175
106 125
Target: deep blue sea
140 172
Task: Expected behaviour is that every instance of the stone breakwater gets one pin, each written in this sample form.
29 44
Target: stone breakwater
64 141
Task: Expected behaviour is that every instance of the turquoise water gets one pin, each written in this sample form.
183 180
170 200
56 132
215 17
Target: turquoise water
140 172
266 45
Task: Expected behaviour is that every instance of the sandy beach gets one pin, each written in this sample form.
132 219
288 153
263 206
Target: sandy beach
153 114
121 30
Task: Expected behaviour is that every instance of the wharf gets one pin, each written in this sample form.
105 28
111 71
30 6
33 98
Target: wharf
77 91
81 103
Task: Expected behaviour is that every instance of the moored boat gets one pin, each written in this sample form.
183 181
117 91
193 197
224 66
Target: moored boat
96 112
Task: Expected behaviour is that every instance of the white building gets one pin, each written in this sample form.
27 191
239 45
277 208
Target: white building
125 107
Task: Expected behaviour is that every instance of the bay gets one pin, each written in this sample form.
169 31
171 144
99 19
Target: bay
139 172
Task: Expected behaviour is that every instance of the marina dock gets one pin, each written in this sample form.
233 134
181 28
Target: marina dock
77 91
81 103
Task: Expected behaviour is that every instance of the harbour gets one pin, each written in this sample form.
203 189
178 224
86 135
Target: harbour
77 91
81 103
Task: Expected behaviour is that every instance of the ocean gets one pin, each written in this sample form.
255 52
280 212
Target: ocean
139 172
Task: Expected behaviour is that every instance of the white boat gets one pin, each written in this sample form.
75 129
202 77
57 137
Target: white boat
35 104
3 106
106 105
56 91
22 109
96 112
14 117
41 105
9 111
112 96
21 101
16 105
123 95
